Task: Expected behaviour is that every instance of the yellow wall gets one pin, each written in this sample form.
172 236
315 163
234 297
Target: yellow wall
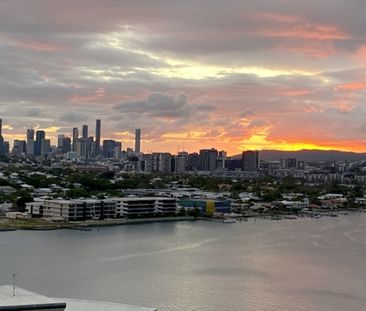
210 207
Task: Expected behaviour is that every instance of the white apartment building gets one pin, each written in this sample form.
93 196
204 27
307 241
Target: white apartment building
145 206
73 210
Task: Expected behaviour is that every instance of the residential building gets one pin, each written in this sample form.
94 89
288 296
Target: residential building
250 161
208 158
145 206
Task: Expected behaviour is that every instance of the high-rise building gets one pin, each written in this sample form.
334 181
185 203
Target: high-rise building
181 162
75 137
66 145
60 141
138 140
158 162
2 146
40 137
85 131
117 150
250 161
221 160
45 147
111 149
6 148
19 147
208 159
193 162
30 142
63 144
98 129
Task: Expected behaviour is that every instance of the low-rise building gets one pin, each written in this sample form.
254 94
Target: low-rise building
35 209
92 209
207 207
6 190
145 206
79 210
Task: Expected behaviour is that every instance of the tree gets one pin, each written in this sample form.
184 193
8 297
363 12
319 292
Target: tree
76 193
4 182
182 211
22 198
196 212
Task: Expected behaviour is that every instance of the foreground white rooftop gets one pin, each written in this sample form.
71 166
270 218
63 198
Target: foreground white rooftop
82 305
24 300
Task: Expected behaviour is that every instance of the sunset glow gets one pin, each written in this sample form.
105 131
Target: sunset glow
233 76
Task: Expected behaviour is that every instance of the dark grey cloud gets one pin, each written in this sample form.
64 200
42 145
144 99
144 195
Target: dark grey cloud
165 106
74 117
34 112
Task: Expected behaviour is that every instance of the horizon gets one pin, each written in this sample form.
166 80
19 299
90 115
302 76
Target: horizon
206 74
132 142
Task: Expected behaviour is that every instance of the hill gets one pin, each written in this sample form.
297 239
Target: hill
311 155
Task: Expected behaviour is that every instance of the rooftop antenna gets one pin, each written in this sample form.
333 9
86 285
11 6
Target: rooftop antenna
13 284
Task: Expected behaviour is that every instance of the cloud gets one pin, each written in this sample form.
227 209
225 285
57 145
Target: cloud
230 75
163 106
73 117
34 112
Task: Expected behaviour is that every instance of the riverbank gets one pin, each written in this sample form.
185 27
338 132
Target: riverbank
41 224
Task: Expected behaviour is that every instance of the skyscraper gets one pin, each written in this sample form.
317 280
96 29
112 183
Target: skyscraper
45 147
138 140
2 146
19 147
85 131
30 142
60 141
98 129
40 137
208 158
111 148
250 161
75 137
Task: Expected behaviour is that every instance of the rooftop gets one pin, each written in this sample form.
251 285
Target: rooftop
26 300
76 305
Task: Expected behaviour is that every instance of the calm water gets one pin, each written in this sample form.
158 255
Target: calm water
304 264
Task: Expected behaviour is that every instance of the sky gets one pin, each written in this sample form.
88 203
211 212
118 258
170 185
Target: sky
233 74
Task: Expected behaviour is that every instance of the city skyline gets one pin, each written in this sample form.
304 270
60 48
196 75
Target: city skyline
234 76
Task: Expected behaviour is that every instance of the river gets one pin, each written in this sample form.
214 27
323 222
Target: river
263 265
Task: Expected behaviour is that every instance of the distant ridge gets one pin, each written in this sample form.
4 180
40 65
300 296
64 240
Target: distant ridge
310 155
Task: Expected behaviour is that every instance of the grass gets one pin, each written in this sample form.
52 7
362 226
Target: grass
8 224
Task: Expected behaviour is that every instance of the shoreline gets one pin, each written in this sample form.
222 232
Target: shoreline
40 224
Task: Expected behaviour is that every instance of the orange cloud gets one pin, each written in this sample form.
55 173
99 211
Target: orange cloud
294 92
293 26
361 53
353 86
343 106
98 94
40 46
281 18
306 32
318 49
